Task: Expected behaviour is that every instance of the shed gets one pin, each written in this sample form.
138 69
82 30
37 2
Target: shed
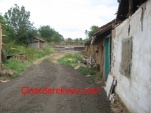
102 48
98 48
36 43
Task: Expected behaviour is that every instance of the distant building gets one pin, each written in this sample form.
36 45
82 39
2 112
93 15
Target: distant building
36 43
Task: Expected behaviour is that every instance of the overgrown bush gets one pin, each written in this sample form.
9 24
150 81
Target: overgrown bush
32 54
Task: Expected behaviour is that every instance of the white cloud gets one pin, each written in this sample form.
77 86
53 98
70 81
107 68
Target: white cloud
69 17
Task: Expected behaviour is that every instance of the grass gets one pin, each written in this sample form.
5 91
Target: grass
91 71
96 77
87 71
47 59
71 59
17 66
32 54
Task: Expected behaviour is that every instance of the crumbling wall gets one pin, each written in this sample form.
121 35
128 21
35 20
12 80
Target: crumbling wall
134 90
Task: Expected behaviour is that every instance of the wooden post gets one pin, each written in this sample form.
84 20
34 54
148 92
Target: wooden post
130 7
0 46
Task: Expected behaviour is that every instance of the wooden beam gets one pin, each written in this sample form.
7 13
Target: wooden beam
130 7
0 46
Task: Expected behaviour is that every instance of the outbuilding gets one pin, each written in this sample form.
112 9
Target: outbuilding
36 43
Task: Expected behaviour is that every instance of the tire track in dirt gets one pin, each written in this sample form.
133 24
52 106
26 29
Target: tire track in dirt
48 74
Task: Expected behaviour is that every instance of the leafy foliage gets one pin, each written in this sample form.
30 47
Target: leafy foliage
75 41
49 34
93 29
20 66
6 27
20 28
17 66
87 71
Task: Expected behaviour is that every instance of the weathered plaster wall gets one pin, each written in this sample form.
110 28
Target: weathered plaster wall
99 57
135 91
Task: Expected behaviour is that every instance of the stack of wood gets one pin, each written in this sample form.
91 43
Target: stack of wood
21 57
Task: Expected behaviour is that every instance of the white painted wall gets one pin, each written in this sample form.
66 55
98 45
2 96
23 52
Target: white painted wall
135 92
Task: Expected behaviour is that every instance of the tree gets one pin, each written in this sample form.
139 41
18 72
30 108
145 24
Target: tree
20 27
49 34
3 21
86 33
93 29
69 40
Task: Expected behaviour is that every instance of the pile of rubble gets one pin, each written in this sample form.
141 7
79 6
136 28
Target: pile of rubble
6 73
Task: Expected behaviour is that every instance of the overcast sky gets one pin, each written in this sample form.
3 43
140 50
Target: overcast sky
69 17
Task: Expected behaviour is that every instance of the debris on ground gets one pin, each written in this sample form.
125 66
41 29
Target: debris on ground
4 80
89 61
88 75
21 57
110 87
98 81
7 72
117 106
78 66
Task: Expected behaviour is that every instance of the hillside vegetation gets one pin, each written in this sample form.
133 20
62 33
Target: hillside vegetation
19 66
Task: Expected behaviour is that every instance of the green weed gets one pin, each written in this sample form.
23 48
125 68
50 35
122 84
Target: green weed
87 71
17 66
32 54
96 77
71 59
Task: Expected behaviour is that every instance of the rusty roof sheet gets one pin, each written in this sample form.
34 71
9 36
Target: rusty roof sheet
104 28
103 31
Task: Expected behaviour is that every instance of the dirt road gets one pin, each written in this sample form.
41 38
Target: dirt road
47 74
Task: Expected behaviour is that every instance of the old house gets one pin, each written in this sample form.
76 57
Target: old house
101 48
131 54
98 48
36 43
87 49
